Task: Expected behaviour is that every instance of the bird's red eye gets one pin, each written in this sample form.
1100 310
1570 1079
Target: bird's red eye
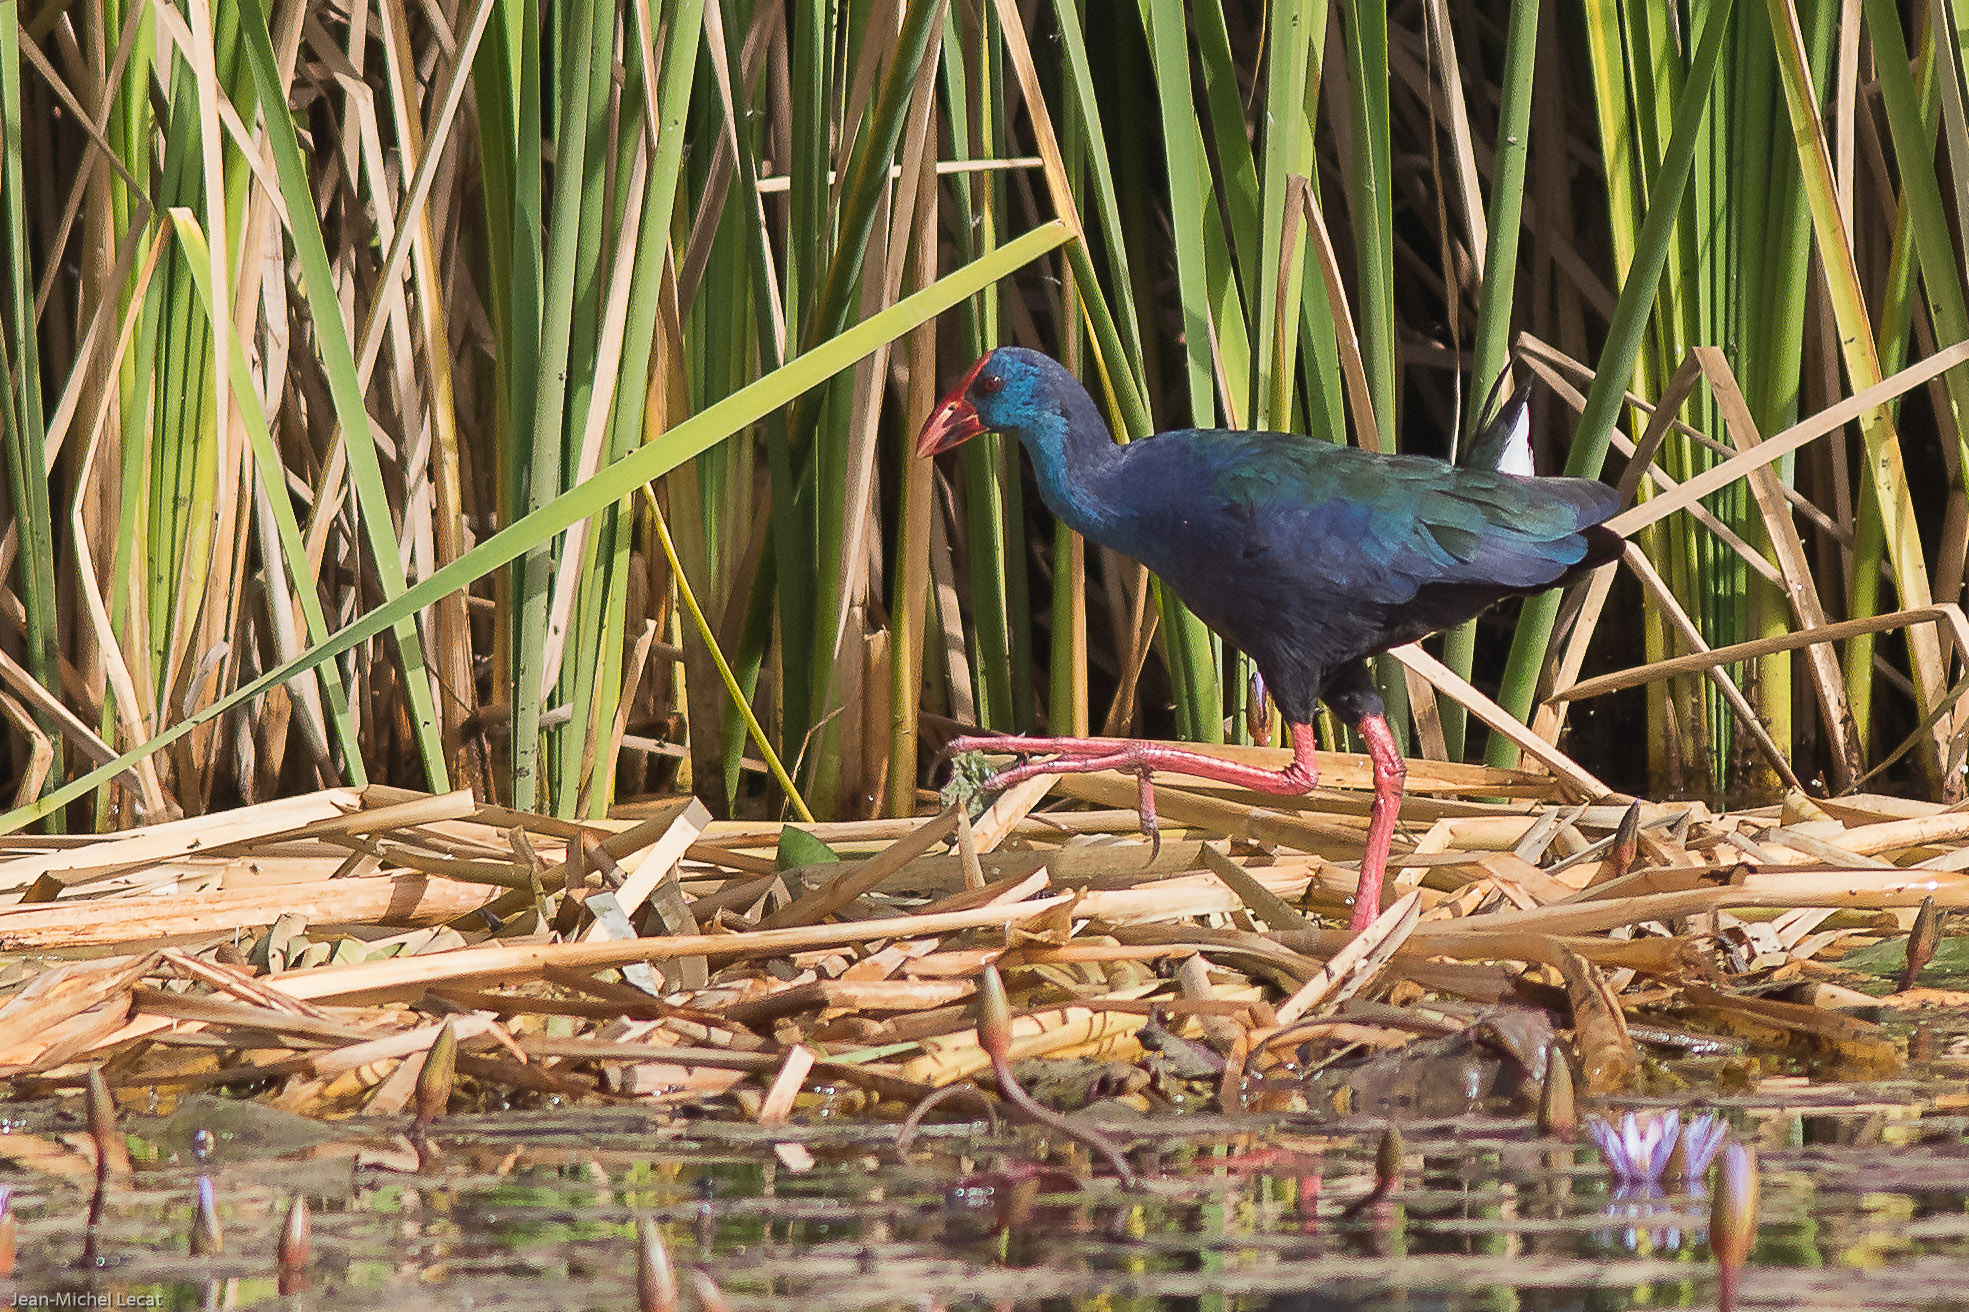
991 384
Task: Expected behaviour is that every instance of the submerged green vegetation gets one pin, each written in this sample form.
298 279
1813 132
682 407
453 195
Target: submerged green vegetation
517 395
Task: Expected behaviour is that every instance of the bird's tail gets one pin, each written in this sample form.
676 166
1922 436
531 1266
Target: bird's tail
1503 444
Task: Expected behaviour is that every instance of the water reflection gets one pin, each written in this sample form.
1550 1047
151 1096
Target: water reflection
1239 1216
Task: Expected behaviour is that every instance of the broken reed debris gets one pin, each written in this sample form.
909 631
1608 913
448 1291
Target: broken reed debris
381 951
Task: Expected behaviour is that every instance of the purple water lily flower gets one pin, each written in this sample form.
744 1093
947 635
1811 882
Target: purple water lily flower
1701 1138
1641 1150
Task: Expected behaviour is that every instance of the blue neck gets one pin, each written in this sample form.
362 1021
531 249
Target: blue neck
1074 456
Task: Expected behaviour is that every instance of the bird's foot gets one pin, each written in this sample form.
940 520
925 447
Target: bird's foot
1131 756
971 777
1141 759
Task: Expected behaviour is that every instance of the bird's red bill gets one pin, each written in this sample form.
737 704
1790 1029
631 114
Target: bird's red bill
955 420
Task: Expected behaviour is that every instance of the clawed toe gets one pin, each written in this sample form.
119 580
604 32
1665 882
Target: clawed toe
1145 803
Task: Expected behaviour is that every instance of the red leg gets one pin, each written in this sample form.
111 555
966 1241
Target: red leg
1389 775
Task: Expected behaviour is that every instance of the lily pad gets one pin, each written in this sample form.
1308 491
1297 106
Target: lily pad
241 1131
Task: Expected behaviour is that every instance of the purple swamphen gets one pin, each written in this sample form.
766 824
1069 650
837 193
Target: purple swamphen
1309 556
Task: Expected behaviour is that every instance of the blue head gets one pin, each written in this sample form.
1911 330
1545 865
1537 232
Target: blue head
1010 390
1026 395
